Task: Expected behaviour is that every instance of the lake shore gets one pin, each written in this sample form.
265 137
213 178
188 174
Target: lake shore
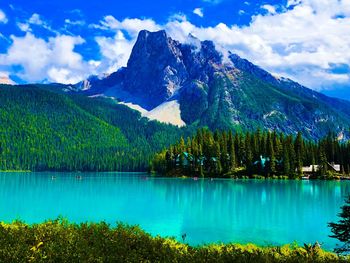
254 177
195 177
59 240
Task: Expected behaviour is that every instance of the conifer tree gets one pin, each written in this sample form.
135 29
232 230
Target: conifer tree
341 230
299 153
231 151
286 161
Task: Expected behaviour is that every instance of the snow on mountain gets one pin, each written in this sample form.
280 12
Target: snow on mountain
167 112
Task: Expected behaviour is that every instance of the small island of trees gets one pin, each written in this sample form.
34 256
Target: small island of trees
253 154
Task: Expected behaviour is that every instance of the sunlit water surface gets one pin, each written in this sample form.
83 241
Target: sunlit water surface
266 212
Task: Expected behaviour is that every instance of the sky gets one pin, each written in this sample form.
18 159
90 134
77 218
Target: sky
66 41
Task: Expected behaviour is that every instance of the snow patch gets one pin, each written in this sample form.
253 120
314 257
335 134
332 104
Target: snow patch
143 111
167 112
274 113
85 85
270 114
5 79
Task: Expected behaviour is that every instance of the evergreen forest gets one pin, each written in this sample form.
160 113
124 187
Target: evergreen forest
259 153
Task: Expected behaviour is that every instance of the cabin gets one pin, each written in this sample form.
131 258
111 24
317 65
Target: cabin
310 169
200 160
262 162
314 168
185 157
333 167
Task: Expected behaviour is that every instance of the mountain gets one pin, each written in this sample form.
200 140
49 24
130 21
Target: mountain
194 84
46 130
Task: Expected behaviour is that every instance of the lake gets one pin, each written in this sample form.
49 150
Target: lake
265 212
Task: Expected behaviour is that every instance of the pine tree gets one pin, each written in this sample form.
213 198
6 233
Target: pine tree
182 146
286 161
231 151
299 153
341 230
323 161
248 153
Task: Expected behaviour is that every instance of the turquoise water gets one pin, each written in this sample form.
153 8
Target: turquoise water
259 211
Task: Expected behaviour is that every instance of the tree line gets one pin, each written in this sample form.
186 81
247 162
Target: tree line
264 153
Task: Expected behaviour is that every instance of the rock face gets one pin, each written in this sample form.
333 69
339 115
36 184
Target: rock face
155 70
216 92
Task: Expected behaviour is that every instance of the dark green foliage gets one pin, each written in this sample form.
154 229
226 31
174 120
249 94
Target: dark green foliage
268 154
59 241
44 130
341 230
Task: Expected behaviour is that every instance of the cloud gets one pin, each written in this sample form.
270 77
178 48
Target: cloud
213 2
130 25
198 11
35 20
269 8
54 60
306 40
115 52
3 18
74 22
302 41
25 27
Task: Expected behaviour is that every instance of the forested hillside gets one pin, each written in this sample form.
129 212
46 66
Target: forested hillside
261 153
45 130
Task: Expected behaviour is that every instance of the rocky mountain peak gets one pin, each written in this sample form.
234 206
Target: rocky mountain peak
155 69
194 80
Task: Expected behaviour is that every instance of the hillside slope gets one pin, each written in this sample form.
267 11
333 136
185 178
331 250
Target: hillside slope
44 130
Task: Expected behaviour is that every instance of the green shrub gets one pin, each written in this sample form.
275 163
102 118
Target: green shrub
60 241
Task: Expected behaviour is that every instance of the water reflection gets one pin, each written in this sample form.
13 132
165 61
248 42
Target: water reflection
264 212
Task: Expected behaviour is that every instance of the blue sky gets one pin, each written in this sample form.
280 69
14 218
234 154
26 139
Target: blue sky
68 40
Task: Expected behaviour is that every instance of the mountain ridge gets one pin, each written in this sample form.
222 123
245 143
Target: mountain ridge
217 91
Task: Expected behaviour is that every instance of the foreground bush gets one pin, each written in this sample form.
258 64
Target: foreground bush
60 241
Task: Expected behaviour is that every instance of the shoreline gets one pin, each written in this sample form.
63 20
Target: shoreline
254 177
155 175
134 234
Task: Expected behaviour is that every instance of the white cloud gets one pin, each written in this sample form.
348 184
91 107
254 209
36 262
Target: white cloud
3 18
115 52
198 11
214 2
35 20
301 41
131 25
25 27
74 22
54 60
269 8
